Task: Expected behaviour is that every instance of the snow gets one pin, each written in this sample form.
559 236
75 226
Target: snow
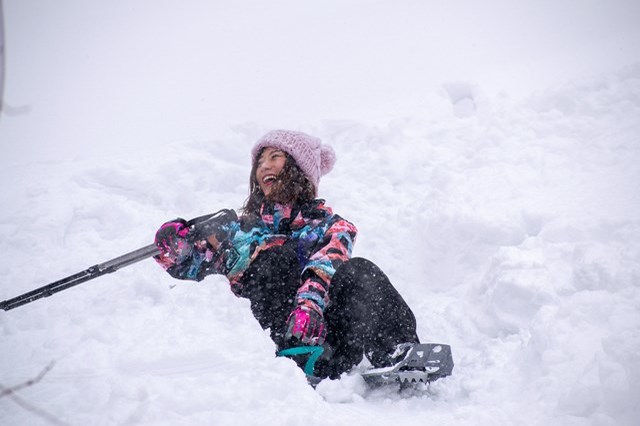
488 155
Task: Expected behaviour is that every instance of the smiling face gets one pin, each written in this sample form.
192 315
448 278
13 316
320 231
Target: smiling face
275 177
270 164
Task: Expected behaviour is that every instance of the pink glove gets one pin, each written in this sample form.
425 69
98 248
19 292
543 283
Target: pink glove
172 241
306 326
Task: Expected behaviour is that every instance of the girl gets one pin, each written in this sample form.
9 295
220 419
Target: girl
290 255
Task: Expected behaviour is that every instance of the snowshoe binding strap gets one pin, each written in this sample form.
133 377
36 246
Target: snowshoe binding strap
314 353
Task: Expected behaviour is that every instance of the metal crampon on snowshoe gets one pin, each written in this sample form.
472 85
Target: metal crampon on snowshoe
423 363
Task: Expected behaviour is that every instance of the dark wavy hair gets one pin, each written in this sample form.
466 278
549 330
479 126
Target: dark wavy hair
291 187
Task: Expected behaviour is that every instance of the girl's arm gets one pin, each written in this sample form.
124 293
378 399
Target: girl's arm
335 248
187 255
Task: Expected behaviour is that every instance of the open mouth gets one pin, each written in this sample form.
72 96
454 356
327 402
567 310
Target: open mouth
269 179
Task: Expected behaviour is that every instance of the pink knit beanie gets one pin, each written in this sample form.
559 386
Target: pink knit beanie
313 158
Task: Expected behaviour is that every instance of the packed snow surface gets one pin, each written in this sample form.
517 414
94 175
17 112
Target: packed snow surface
507 216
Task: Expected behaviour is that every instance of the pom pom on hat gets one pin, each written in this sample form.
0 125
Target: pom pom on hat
313 158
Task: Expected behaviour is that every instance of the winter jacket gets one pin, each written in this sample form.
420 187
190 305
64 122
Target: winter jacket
322 240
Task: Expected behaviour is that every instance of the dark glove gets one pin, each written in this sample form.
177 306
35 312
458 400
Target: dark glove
213 225
173 241
305 326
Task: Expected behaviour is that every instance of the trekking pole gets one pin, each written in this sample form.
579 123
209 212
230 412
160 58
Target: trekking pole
94 271
202 227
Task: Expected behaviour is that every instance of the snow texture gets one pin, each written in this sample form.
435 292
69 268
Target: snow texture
489 156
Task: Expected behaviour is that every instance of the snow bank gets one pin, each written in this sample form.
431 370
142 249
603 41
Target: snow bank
511 230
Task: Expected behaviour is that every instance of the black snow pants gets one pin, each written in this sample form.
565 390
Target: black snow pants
366 314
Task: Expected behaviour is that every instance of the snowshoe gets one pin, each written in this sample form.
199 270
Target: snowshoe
423 363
